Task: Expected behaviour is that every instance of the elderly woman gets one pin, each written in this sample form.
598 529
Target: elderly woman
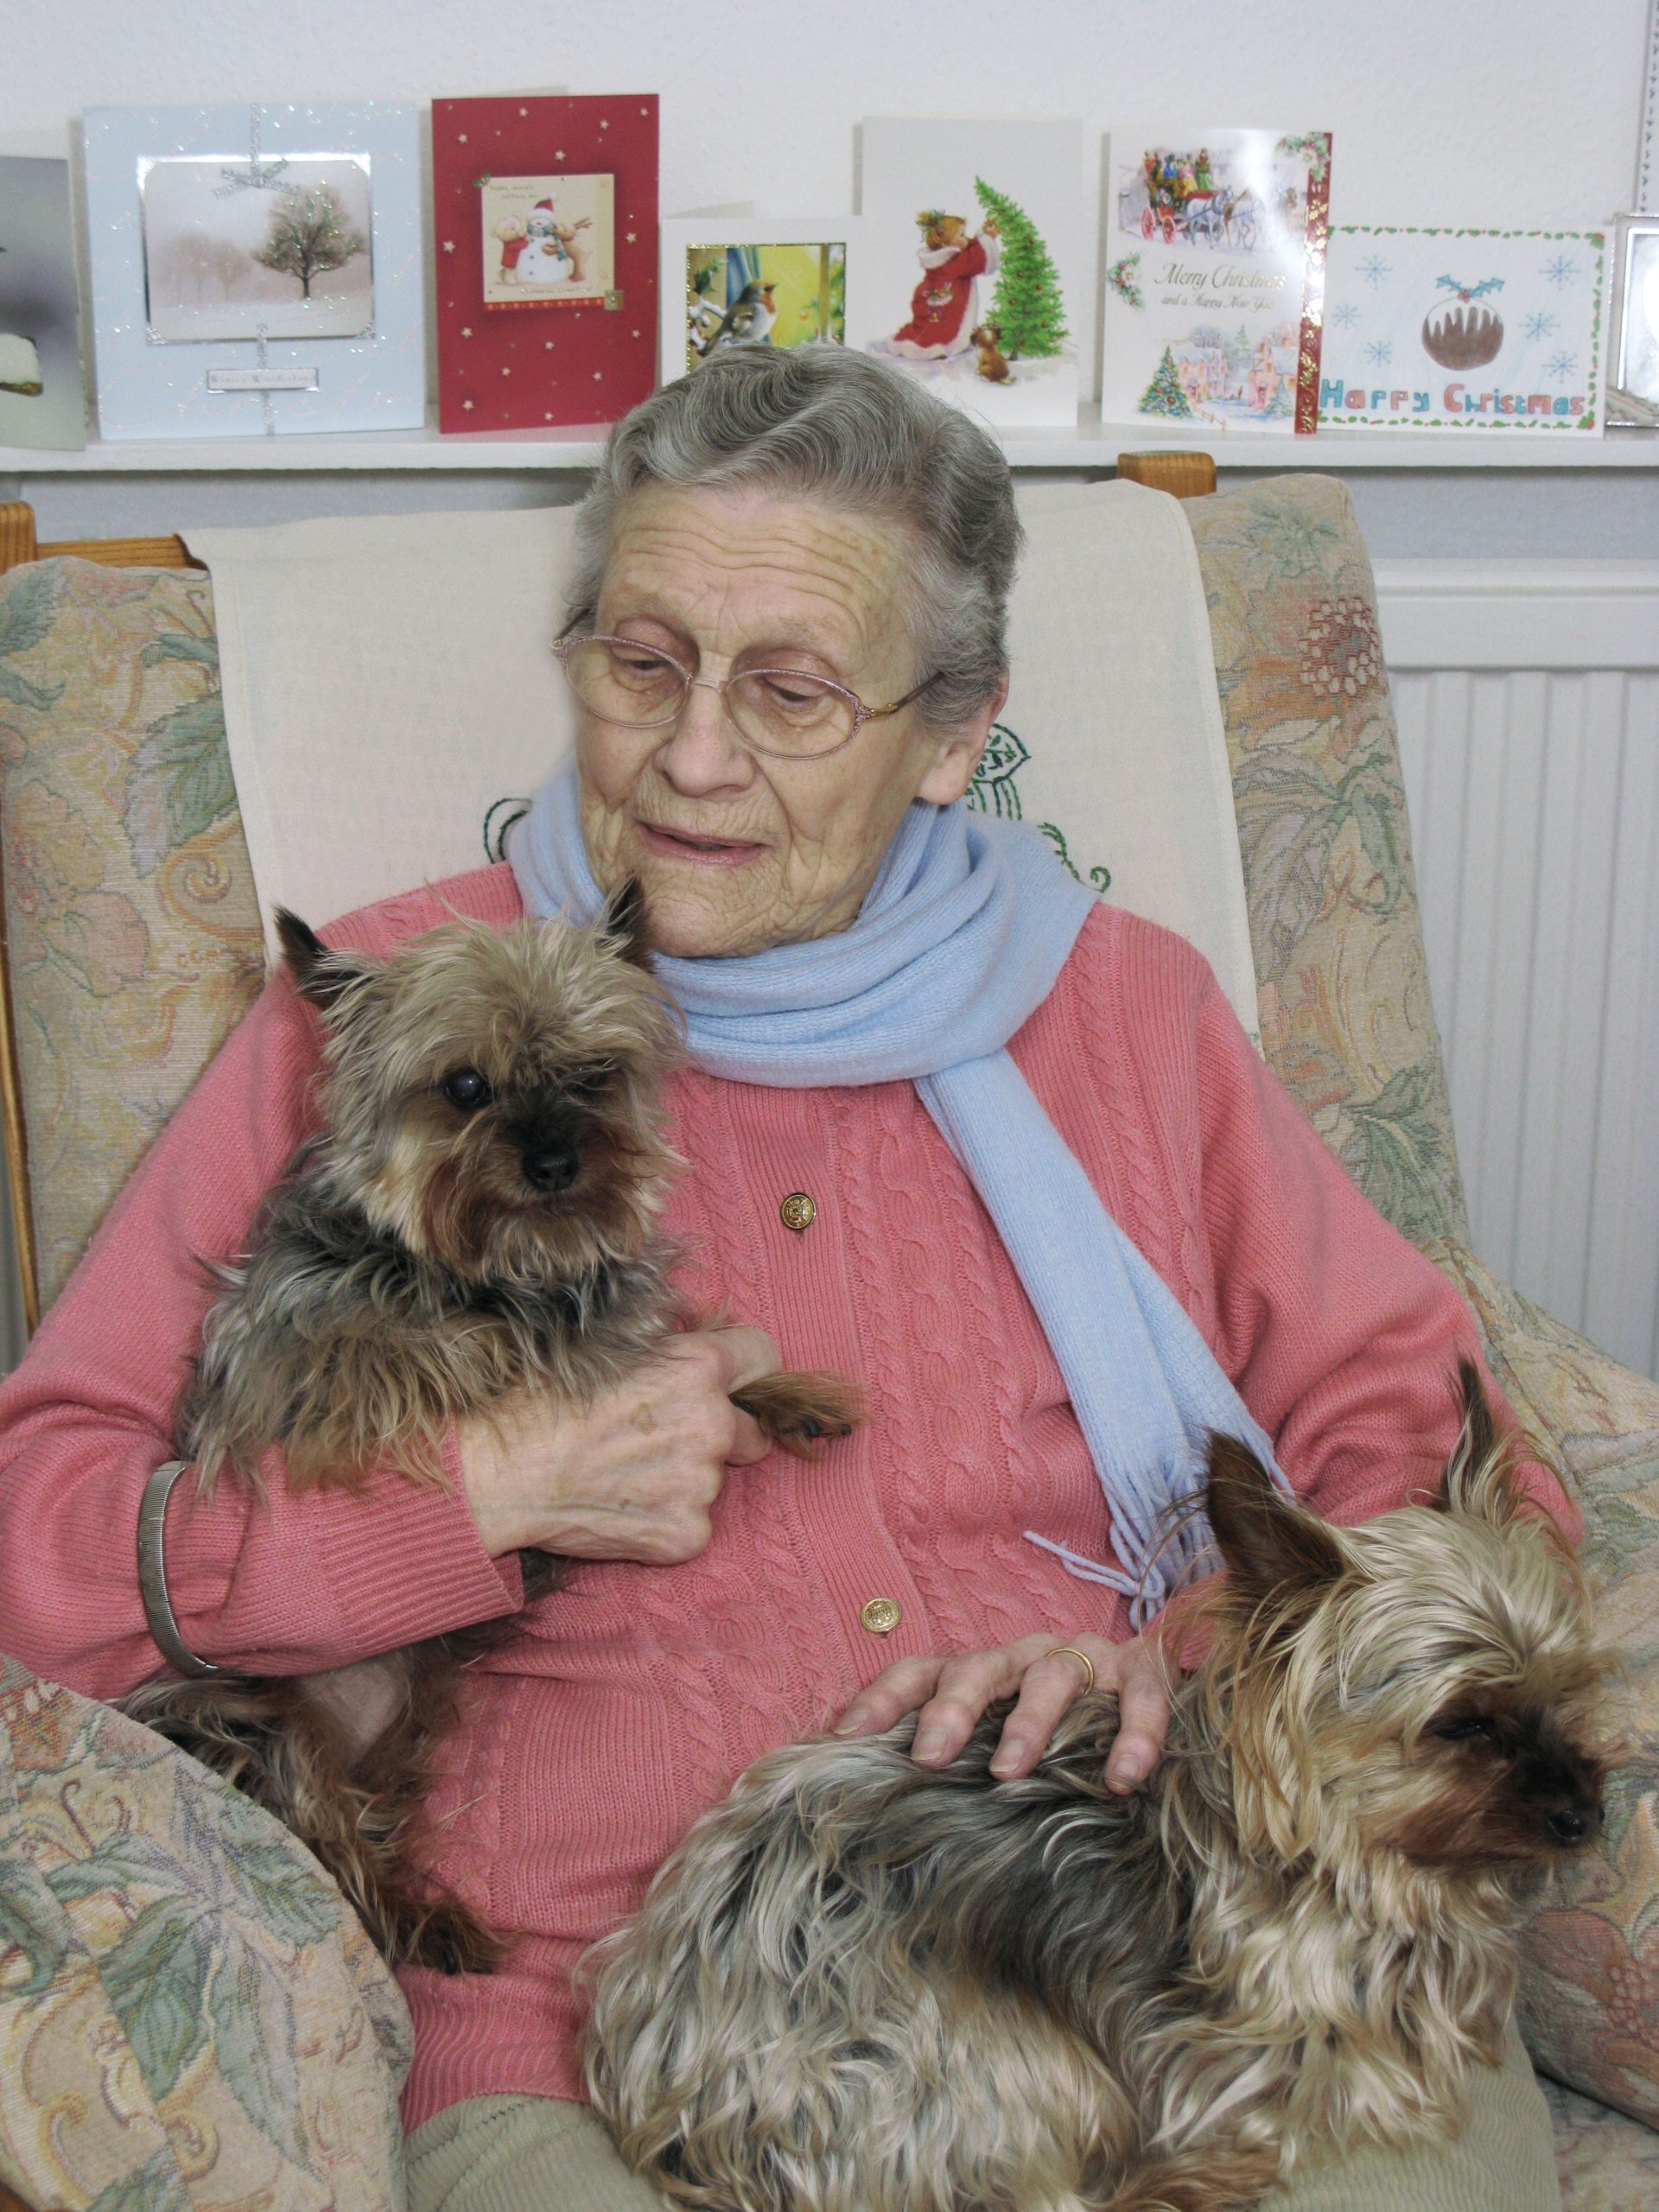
998 1151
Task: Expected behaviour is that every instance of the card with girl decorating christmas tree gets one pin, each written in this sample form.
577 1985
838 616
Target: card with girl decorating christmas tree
1215 276
977 261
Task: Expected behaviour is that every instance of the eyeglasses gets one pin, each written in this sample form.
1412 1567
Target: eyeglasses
783 712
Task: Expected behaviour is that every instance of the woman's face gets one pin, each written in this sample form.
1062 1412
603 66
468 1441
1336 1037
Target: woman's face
736 852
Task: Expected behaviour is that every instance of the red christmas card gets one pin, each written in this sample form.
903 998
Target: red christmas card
544 224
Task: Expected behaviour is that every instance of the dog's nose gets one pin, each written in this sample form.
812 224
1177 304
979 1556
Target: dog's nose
551 1168
1574 1824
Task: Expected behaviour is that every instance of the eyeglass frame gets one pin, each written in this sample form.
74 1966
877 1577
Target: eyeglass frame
861 714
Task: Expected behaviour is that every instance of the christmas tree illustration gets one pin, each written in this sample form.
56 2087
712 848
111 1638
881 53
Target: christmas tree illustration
1164 395
1025 307
309 235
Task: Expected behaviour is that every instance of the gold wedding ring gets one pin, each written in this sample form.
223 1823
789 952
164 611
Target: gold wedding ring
1071 1651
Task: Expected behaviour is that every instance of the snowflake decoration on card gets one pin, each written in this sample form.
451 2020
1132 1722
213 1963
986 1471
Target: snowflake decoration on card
1345 316
1375 270
1560 365
1123 278
1539 326
1379 352
1561 271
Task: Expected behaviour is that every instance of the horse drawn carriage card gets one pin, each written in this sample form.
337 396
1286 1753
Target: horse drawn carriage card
545 212
1214 272
976 263
1463 329
256 269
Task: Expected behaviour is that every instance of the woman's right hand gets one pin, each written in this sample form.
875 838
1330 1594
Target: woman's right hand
634 1475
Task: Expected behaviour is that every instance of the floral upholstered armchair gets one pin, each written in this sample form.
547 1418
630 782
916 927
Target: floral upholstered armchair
188 2016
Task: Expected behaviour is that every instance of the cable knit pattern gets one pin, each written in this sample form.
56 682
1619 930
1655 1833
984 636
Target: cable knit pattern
629 1699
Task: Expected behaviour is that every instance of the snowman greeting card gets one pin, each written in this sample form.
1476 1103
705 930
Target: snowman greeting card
976 261
1463 329
548 239
545 217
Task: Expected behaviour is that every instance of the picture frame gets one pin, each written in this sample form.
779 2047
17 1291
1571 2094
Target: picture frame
257 270
727 279
1633 347
43 404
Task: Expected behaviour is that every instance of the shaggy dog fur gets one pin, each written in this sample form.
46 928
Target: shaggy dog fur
478 1218
864 1985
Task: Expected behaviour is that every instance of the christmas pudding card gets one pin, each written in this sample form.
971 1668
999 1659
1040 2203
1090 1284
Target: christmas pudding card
976 261
545 227
1463 329
1215 270
256 269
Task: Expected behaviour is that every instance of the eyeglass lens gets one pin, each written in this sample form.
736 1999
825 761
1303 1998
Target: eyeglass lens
781 710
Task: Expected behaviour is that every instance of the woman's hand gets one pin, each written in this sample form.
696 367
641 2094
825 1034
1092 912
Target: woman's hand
949 1695
633 1476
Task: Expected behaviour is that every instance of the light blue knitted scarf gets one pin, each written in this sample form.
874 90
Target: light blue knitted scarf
961 938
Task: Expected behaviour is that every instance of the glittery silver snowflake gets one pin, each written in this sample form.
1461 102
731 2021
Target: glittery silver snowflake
1375 270
1345 316
1560 271
1380 352
1560 365
1540 326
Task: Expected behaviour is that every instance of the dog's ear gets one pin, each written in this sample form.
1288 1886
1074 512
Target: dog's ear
319 975
1479 1476
1267 1542
623 920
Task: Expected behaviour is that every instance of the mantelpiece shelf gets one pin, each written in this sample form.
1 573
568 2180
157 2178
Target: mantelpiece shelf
1092 444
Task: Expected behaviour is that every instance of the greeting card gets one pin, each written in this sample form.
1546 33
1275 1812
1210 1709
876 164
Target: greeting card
1463 329
41 400
729 281
256 269
1215 270
977 261
545 225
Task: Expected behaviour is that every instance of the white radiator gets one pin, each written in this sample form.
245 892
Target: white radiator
1527 697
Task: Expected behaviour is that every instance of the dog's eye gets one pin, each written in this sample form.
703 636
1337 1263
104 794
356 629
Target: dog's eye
588 1082
1470 1728
466 1089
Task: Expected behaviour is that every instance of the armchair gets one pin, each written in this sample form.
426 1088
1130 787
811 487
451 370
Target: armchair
131 945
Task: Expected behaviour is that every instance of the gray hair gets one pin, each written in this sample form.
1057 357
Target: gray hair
823 419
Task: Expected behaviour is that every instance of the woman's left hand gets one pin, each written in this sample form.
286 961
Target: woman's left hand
949 1695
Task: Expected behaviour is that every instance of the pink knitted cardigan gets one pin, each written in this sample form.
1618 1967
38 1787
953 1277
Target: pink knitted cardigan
631 1697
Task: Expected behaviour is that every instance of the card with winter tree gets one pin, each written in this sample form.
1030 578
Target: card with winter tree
977 261
1455 329
1214 272
290 261
256 269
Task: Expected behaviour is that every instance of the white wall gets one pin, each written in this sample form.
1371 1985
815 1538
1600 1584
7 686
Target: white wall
1444 111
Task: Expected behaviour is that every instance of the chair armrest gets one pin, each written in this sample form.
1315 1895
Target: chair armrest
1590 1958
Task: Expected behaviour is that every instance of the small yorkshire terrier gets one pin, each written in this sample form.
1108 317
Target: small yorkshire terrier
863 1986
477 1218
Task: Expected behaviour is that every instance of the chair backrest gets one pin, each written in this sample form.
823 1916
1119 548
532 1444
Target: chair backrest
132 940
